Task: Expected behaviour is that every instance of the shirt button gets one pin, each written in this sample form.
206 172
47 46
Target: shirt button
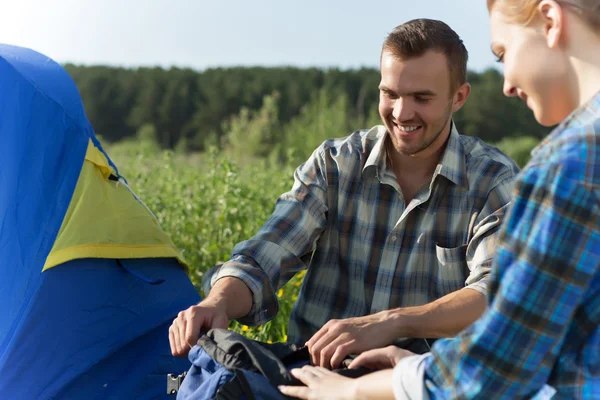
393 238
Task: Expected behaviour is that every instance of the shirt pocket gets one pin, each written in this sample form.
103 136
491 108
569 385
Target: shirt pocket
452 268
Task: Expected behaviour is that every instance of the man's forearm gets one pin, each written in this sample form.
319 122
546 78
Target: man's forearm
232 294
444 317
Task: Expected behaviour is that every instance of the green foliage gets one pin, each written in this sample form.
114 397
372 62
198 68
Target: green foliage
207 204
259 135
187 108
252 133
321 119
519 149
147 133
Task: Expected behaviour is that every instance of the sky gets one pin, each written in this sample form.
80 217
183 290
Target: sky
200 34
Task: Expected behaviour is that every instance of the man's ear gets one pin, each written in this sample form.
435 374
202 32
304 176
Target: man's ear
460 96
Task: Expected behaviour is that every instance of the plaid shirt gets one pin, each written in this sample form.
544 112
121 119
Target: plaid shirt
364 248
543 320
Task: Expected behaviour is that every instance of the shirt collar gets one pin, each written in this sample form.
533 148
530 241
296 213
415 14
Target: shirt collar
452 164
377 159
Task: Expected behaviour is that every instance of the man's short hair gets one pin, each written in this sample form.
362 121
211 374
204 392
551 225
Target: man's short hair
414 38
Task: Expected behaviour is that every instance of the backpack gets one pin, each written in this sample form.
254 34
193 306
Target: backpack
228 366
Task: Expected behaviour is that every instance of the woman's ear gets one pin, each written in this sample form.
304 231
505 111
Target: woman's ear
552 16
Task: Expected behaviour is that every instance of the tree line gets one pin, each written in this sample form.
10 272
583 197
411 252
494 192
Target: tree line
197 108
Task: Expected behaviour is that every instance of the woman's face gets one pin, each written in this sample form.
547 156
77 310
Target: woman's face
535 65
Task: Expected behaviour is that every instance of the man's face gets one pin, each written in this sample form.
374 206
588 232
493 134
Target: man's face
415 103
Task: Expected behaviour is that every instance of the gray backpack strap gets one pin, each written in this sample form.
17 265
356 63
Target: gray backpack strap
234 351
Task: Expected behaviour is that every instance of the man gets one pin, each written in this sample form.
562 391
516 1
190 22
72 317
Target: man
396 226
540 335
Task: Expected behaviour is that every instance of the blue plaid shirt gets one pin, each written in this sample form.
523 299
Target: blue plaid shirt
542 325
364 248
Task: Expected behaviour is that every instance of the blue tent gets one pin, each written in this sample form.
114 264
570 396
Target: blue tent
90 328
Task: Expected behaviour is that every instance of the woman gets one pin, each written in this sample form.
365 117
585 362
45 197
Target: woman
89 282
540 335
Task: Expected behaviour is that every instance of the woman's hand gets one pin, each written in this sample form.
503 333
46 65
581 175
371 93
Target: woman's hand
383 358
320 383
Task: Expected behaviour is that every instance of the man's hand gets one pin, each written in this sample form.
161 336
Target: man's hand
386 357
186 328
339 338
229 298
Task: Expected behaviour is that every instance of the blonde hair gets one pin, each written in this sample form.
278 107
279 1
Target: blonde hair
525 11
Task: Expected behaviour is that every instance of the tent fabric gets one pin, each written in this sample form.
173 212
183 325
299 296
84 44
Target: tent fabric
96 330
126 228
89 328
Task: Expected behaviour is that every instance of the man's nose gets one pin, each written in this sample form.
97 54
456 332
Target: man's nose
403 110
